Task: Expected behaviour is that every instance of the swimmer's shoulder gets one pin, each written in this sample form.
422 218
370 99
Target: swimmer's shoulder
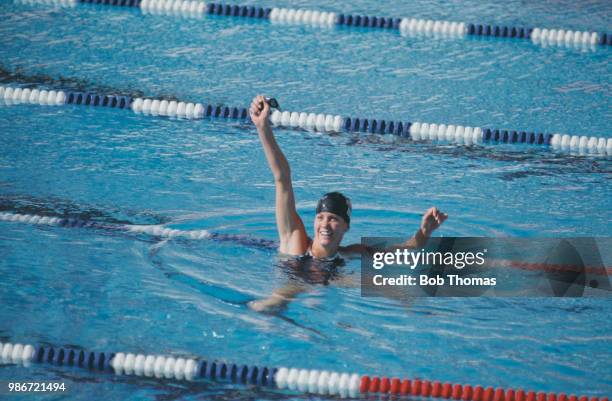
354 250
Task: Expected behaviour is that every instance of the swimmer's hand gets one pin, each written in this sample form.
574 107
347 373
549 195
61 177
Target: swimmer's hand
259 111
432 219
268 305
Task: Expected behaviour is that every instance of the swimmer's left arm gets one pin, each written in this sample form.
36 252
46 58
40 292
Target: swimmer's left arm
431 221
280 298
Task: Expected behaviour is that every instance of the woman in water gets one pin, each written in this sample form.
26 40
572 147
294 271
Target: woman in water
332 220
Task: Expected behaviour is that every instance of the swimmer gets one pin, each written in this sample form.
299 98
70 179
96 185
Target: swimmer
332 220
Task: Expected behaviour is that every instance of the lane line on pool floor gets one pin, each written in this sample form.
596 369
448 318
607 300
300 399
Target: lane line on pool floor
327 123
406 26
312 381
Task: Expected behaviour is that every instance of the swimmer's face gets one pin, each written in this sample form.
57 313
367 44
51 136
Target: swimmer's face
329 229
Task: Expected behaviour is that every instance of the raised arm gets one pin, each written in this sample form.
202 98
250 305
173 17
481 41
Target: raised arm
291 231
432 219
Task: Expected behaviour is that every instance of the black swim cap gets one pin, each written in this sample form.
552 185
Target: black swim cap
336 203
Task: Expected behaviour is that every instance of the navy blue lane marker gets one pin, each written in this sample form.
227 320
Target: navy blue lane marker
242 374
101 362
367 21
605 38
262 376
221 371
236 113
211 370
201 368
120 3
252 374
237 11
98 361
506 136
376 126
498 31
94 99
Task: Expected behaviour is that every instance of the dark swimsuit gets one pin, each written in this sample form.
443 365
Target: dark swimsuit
314 270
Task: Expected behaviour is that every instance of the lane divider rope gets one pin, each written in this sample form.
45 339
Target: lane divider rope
311 381
311 121
153 230
58 3
465 392
160 231
407 26
156 230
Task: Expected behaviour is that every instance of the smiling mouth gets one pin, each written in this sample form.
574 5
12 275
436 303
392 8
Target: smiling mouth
325 233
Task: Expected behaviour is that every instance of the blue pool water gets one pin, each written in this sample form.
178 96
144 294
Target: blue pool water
103 290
